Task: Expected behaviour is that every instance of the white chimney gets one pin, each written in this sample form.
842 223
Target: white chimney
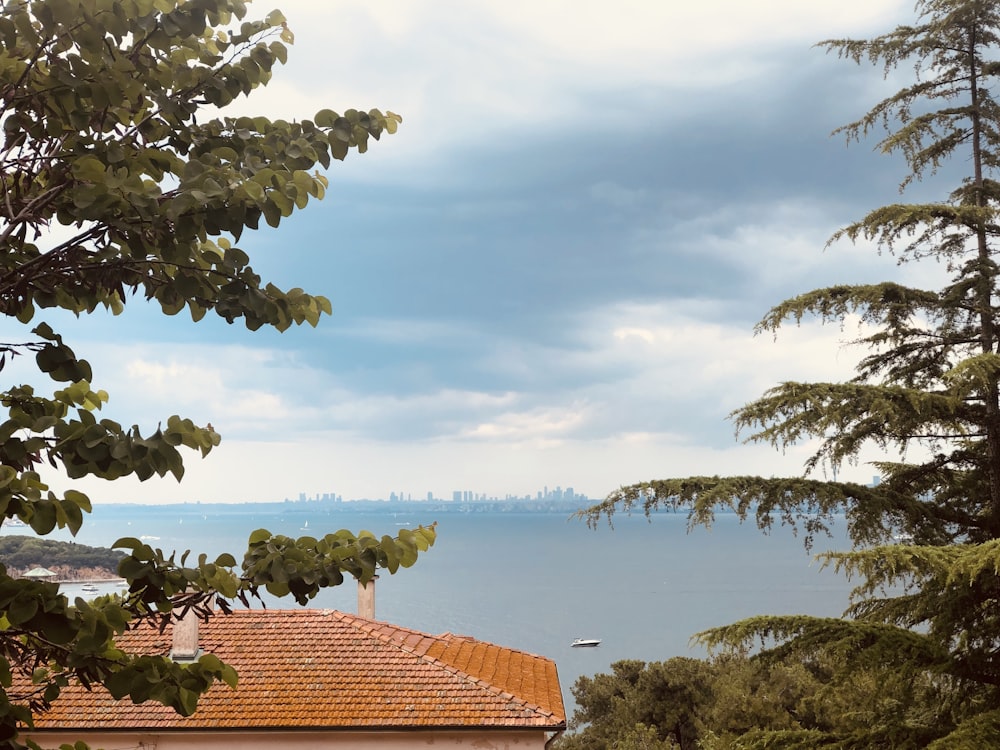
366 599
185 641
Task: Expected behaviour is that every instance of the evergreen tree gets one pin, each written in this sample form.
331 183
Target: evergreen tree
715 704
926 391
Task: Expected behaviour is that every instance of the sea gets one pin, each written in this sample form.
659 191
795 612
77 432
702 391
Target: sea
534 581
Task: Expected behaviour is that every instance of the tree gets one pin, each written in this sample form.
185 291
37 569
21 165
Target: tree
925 389
118 181
27 552
641 705
696 703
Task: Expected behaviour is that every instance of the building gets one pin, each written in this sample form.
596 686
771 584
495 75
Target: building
313 678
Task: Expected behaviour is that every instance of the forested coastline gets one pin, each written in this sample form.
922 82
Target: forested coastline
68 560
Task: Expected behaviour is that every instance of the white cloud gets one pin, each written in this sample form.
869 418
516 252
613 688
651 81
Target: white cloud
647 41
237 388
534 427
643 334
462 72
172 379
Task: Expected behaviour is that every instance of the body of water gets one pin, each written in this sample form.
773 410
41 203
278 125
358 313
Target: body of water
536 581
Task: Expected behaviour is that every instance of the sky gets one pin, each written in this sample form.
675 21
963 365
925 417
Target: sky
550 275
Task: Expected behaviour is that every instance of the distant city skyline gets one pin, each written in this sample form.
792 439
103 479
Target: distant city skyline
556 493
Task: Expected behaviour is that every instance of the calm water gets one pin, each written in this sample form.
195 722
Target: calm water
537 581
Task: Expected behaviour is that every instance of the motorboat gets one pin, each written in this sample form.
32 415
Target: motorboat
586 642
90 588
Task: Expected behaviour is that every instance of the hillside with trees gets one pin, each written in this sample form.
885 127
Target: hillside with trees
69 560
917 654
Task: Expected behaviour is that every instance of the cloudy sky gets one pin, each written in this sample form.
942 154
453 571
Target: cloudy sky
551 273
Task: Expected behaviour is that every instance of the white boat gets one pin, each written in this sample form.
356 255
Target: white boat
90 588
586 642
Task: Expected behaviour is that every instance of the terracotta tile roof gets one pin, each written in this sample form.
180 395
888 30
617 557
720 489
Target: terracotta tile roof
324 669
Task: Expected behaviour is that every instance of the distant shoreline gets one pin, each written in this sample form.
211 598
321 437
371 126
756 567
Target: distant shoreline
116 581
369 506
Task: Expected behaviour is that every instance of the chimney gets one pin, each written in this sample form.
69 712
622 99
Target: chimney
366 599
185 641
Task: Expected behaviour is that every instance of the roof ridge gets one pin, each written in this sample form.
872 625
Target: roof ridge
447 636
488 686
378 628
374 629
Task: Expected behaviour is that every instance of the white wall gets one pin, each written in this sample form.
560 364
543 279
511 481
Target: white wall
483 739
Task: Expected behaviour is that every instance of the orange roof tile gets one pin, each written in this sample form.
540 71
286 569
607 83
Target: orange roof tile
314 668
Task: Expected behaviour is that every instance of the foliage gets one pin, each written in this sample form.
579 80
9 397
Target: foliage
692 703
735 701
926 389
120 180
653 703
